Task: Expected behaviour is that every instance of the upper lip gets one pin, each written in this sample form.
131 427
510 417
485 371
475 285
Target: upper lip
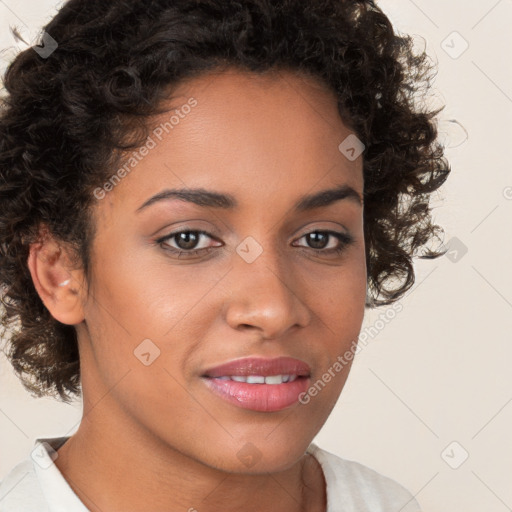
260 366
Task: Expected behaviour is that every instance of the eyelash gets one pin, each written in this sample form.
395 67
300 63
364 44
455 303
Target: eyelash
344 239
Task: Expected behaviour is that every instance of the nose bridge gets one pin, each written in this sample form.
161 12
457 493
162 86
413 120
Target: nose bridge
264 295
263 263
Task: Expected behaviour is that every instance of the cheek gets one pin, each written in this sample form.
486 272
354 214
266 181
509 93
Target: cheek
340 306
144 294
145 311
341 296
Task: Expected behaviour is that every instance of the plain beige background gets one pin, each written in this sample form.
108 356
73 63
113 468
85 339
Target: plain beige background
429 399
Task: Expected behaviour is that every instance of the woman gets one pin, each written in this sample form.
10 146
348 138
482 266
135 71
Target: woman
199 200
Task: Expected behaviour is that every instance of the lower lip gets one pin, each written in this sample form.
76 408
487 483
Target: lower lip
259 397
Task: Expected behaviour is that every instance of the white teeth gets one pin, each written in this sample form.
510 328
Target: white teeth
274 379
255 379
260 379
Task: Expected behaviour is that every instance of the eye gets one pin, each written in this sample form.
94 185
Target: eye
322 242
186 242
327 242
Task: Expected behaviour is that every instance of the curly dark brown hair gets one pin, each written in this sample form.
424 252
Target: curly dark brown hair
67 118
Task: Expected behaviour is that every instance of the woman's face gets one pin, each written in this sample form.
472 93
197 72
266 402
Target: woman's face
265 282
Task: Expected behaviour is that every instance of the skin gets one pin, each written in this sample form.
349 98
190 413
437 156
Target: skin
155 437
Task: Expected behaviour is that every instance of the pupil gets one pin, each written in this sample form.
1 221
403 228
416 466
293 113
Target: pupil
315 237
190 239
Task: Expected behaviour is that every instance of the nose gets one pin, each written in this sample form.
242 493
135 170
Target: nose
266 296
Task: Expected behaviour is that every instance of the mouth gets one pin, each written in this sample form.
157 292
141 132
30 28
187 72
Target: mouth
264 385
260 379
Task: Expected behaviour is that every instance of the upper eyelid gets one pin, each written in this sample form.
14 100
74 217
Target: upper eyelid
170 236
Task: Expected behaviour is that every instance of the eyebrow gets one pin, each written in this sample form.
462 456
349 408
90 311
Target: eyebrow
207 198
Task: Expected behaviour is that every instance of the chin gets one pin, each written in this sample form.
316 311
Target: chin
260 456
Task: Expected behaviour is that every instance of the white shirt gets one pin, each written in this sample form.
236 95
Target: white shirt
37 485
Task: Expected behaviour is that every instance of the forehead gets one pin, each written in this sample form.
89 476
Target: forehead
278 82
246 133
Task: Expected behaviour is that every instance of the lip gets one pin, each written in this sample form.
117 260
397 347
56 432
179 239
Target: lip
260 366
259 397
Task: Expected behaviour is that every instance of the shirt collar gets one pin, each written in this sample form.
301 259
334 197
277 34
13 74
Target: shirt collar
57 492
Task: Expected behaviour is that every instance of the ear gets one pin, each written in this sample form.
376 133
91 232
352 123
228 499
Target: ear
60 287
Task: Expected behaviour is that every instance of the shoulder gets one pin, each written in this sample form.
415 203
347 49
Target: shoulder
20 490
360 488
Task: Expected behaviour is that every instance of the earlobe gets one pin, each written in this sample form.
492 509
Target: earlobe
58 287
